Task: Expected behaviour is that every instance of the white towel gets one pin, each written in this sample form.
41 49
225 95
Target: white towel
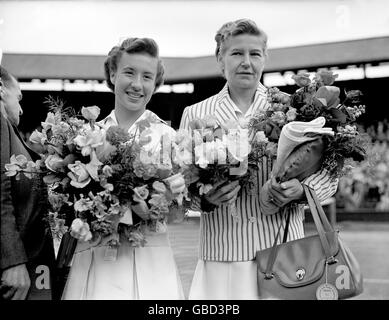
297 132
292 135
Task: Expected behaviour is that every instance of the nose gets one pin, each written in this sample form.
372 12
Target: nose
20 110
136 83
246 60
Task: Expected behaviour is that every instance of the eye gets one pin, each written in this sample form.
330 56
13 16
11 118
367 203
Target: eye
256 54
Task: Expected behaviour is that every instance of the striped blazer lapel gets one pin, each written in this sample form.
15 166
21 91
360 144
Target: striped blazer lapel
224 109
260 99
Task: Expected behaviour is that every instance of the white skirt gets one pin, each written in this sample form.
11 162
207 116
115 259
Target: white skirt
146 273
214 280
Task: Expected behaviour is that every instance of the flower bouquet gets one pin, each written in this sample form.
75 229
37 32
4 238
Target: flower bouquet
71 169
97 175
305 146
145 171
218 153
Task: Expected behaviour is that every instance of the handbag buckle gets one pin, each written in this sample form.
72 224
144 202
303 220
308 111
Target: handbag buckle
331 260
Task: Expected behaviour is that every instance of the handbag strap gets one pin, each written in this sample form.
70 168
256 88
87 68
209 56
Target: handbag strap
318 216
313 206
273 253
286 226
327 225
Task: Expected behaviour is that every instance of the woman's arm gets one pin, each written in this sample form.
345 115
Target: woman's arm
324 185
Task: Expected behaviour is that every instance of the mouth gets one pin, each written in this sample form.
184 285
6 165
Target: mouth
134 95
245 73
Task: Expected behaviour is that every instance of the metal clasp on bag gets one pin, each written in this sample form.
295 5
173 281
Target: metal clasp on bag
300 274
331 260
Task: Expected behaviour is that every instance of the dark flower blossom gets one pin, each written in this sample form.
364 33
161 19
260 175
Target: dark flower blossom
325 77
302 79
116 135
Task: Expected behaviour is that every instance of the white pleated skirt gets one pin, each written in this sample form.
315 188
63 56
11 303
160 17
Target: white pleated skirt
215 280
145 273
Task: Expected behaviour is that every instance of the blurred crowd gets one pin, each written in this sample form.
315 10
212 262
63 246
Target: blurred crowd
367 185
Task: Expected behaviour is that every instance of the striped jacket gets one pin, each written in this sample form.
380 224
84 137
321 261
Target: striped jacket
224 237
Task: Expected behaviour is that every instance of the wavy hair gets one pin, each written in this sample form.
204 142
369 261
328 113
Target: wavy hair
237 27
133 45
6 79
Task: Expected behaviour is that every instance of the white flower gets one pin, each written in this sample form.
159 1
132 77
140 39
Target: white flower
159 187
154 139
260 137
49 122
204 188
89 140
210 121
90 113
210 153
237 144
54 162
141 193
291 114
38 137
197 137
176 183
83 204
243 122
93 166
204 154
107 170
80 230
18 164
230 125
182 156
78 174
60 129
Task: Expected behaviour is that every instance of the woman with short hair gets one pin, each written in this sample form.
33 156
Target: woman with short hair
230 238
134 72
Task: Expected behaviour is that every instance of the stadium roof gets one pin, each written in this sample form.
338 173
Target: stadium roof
90 67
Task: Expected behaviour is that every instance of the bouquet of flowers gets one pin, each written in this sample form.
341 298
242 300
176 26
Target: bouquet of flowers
265 126
145 172
218 153
96 176
297 122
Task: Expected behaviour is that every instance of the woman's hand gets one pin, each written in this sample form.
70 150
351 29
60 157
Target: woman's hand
223 193
285 192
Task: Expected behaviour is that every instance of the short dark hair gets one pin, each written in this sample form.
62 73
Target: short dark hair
133 45
6 78
237 27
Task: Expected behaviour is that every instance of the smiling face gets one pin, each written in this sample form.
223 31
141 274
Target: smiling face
134 81
242 60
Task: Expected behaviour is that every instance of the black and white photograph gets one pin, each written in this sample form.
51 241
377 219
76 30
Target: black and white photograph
210 152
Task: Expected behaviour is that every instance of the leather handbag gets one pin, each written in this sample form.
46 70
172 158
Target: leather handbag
320 266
